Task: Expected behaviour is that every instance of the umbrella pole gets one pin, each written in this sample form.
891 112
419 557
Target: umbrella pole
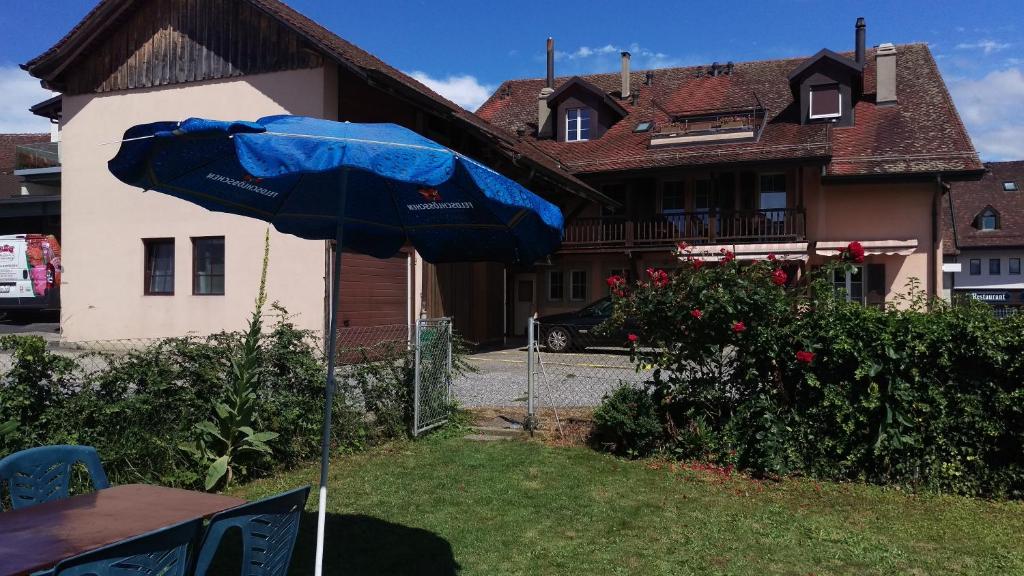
332 352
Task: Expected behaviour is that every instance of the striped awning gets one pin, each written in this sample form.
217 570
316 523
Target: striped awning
871 247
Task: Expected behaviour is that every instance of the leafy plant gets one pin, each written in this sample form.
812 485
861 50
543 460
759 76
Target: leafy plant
225 441
627 422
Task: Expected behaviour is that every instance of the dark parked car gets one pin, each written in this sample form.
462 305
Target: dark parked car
578 330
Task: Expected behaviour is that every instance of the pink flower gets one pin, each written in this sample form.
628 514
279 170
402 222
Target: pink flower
805 356
633 337
696 313
779 277
738 327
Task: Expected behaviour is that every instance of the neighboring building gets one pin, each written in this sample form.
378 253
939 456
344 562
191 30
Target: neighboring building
148 265
29 184
795 157
985 237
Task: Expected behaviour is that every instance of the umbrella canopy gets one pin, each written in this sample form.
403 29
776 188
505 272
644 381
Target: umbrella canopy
287 170
371 187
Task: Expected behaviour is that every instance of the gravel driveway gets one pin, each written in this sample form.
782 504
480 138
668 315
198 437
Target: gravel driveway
564 380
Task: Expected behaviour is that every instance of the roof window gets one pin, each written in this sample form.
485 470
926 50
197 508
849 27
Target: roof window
1010 186
826 102
644 126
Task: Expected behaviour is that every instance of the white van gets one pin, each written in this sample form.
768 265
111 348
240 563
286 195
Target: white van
30 271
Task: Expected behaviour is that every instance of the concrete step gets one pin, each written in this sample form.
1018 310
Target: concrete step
487 438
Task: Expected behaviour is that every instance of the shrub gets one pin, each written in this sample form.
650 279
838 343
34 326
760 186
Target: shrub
627 422
780 377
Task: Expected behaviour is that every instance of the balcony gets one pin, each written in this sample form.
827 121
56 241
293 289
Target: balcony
736 226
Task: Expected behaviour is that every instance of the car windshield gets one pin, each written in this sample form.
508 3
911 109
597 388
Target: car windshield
602 307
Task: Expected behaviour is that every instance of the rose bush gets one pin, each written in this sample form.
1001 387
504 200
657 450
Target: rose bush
778 376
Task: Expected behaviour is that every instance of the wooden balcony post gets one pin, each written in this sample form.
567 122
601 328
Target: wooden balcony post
630 233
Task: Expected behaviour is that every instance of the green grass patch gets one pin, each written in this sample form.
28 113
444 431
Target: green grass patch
443 506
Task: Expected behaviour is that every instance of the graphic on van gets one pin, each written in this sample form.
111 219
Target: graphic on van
30 265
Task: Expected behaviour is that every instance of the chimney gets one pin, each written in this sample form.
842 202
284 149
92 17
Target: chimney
885 71
544 125
625 76
861 30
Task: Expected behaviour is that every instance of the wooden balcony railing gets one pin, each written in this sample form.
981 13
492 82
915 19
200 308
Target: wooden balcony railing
771 225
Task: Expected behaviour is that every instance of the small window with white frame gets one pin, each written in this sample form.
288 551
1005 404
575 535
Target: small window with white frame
556 285
577 124
850 284
825 101
578 285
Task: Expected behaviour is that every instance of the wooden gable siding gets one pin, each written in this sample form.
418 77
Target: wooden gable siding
165 42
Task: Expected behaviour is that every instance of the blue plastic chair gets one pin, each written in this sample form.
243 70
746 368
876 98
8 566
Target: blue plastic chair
43 474
269 529
163 552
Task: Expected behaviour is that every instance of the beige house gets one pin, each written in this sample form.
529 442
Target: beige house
142 265
794 157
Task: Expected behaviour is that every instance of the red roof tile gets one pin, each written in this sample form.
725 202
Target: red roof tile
8 143
968 199
921 134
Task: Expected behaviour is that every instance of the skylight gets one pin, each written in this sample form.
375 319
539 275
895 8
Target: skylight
1009 186
644 126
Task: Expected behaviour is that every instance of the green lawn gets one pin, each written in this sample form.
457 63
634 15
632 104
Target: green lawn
449 506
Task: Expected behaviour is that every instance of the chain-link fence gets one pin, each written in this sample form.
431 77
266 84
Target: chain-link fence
573 365
378 357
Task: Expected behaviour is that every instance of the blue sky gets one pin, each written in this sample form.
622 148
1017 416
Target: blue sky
464 49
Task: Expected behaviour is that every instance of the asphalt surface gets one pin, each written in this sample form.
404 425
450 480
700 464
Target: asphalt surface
571 379
24 323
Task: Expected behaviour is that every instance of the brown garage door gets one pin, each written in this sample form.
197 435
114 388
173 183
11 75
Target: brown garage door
374 292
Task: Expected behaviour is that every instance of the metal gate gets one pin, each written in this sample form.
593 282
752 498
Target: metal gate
432 379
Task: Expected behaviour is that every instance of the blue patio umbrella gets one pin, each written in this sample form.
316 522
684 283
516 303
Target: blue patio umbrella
373 188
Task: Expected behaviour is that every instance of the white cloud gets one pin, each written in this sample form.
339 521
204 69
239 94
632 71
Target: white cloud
463 89
20 91
588 59
990 107
986 46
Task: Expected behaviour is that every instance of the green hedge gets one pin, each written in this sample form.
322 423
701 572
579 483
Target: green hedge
781 377
142 410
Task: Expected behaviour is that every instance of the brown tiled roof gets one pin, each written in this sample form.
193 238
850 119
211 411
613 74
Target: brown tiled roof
357 60
8 143
921 134
968 199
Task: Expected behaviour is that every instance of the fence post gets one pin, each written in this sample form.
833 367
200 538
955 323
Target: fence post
530 423
448 371
416 382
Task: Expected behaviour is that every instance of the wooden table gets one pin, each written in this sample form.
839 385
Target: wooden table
38 537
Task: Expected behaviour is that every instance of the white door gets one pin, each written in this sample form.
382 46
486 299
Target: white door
524 306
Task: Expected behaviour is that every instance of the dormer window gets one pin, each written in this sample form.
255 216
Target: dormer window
826 101
1009 186
577 124
988 219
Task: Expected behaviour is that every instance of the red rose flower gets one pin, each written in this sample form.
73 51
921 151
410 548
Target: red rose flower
697 263
696 313
727 255
805 356
683 246
658 277
738 327
632 337
854 252
614 280
779 277
772 257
